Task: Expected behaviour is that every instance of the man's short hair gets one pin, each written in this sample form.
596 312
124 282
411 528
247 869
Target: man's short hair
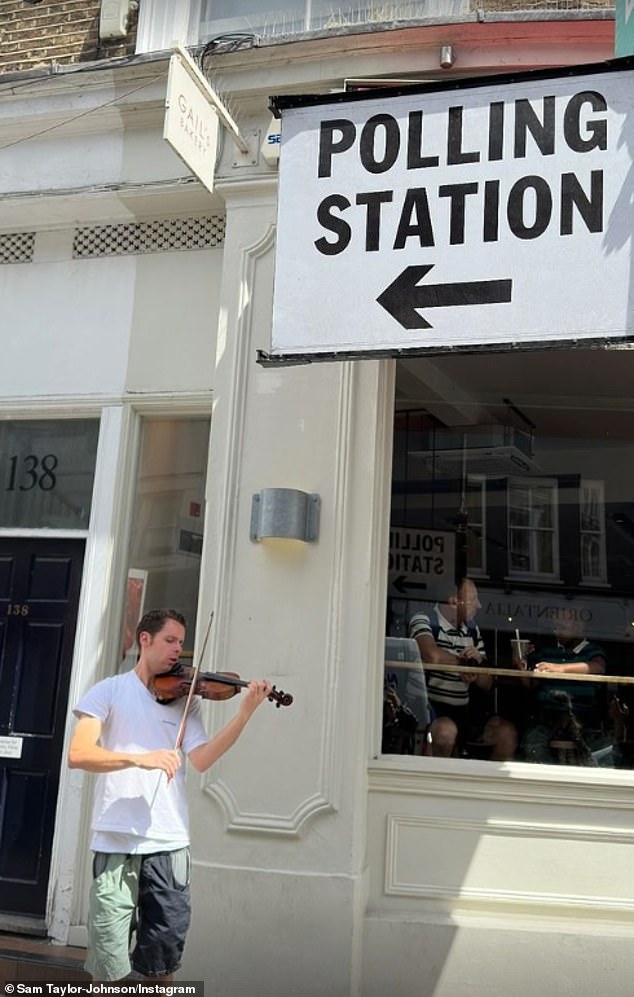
155 619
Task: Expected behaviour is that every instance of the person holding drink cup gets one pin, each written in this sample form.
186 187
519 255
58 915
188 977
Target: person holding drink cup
564 715
520 650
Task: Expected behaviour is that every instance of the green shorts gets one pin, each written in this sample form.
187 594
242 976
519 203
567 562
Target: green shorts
138 894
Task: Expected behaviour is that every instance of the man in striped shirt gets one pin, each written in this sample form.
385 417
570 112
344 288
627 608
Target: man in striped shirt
448 635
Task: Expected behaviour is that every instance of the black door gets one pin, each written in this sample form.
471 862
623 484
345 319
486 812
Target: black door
39 593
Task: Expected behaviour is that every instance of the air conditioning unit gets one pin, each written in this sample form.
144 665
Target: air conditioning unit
498 450
113 19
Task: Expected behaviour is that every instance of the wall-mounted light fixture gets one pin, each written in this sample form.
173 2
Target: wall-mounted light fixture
286 513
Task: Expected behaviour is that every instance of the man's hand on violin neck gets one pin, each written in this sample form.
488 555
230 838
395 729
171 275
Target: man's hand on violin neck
165 759
256 692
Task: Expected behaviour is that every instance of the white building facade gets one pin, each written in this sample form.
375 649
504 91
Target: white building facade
139 426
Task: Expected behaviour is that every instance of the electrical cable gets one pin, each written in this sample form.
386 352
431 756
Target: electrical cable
58 70
81 114
230 42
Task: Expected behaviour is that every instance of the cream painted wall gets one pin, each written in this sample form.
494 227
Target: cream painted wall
87 327
510 880
101 139
463 956
65 325
174 320
278 825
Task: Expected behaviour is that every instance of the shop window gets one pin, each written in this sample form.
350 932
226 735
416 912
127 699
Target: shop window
529 494
167 527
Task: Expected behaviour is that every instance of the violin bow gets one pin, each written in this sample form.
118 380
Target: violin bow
181 729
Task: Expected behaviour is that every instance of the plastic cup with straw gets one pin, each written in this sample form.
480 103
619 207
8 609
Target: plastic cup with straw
520 650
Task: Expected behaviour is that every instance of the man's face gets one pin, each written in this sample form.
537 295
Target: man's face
162 650
468 603
568 631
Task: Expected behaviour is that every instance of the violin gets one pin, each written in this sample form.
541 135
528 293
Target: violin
176 683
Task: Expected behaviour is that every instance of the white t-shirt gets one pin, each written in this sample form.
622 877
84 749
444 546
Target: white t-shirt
138 810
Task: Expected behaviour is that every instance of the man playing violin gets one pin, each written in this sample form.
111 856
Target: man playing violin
140 823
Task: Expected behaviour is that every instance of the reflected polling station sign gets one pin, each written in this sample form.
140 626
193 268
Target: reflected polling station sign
492 211
419 561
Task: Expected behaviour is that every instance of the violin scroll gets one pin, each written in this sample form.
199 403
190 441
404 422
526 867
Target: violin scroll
279 697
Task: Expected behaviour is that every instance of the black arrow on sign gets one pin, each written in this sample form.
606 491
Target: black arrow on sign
402 585
405 295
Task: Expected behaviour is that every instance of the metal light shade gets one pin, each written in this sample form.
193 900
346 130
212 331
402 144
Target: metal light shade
286 513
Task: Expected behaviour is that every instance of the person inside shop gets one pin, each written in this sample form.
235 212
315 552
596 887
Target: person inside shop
140 825
566 717
448 635
621 714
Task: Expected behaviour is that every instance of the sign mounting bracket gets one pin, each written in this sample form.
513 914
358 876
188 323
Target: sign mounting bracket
223 113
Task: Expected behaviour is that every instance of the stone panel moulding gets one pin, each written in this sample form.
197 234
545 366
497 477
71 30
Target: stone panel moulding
486 865
322 797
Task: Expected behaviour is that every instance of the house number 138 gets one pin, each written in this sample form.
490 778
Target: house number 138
32 472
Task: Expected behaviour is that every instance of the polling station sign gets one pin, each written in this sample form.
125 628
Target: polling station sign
494 211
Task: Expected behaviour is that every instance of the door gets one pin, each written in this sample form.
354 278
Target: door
39 594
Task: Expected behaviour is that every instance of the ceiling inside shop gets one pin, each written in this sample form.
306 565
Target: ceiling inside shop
574 393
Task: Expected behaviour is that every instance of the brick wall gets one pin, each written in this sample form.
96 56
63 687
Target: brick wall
35 35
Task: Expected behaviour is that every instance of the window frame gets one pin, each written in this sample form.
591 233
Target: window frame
530 484
161 22
599 534
271 21
479 571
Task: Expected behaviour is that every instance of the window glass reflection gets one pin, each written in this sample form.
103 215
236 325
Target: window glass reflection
282 17
167 529
527 491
